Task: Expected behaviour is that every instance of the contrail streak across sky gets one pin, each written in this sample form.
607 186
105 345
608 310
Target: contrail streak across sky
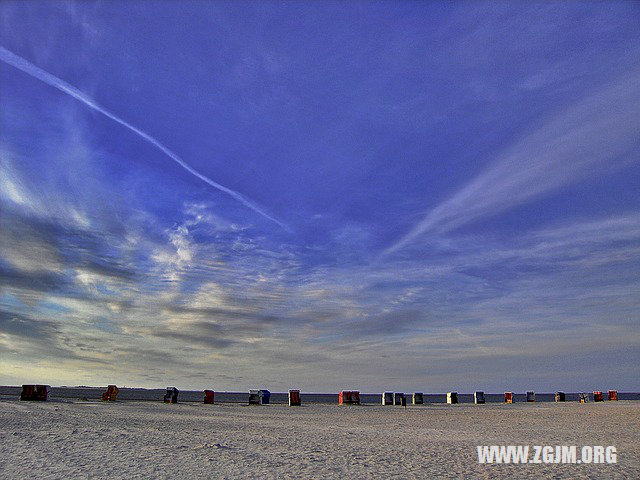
29 68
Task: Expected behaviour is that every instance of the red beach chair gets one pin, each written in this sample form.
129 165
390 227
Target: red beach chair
111 394
349 397
42 392
294 398
27 392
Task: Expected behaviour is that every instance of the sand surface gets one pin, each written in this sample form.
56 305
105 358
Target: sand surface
154 440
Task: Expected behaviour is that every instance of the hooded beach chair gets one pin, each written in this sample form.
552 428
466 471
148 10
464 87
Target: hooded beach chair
38 393
294 398
209 396
172 395
349 397
111 394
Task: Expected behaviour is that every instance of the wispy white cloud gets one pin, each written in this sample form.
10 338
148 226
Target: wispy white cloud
201 215
591 137
351 319
27 67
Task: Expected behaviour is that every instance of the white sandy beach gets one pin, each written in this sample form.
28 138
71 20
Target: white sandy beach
156 440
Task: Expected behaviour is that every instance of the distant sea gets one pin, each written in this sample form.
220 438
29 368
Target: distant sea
156 395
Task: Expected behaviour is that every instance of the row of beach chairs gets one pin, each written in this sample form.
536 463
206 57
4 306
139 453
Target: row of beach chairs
346 397
256 397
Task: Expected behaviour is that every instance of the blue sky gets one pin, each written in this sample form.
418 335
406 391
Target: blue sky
373 195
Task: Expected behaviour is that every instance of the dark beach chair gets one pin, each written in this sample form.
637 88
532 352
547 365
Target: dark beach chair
172 395
38 393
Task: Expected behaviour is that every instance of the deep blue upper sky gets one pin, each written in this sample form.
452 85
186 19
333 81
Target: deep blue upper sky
418 195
